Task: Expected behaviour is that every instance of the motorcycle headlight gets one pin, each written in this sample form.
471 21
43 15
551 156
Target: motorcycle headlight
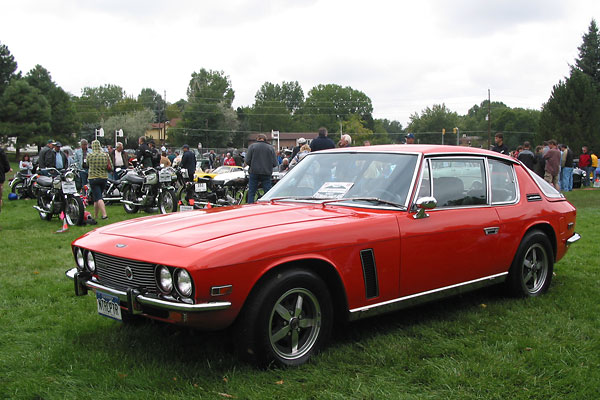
90 262
164 279
79 259
69 176
183 282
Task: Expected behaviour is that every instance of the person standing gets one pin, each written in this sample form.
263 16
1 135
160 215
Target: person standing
345 141
26 164
540 165
143 153
99 165
81 161
410 138
594 158
585 163
4 168
566 171
500 147
188 161
322 142
229 160
42 154
300 142
526 156
119 159
552 168
261 159
56 158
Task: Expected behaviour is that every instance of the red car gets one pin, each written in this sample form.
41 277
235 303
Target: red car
348 233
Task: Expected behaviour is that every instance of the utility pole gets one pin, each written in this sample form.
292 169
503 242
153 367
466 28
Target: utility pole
489 118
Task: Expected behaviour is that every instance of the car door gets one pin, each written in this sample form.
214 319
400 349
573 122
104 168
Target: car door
458 239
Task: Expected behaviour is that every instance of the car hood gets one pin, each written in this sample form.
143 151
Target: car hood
185 229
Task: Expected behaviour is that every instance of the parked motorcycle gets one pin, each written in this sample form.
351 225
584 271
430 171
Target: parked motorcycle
21 184
113 191
149 188
58 193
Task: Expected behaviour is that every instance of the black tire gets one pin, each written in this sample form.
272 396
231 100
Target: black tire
531 271
167 201
45 204
287 319
129 195
19 188
74 210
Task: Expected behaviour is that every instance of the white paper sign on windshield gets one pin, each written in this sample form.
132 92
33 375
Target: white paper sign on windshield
333 190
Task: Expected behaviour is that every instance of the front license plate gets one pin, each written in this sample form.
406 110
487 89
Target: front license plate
69 187
200 187
108 305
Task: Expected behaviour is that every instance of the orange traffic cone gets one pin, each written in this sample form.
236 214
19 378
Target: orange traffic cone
208 205
191 202
65 226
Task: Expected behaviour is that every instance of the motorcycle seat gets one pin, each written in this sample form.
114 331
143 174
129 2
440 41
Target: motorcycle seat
45 181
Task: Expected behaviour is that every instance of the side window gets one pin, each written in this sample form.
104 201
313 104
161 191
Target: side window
503 182
459 182
425 186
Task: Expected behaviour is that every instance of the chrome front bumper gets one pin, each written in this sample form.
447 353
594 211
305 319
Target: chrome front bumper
135 300
575 237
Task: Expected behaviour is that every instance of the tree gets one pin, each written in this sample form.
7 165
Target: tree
388 131
63 120
207 115
25 114
329 105
95 103
431 122
589 54
149 98
134 125
8 66
572 114
274 106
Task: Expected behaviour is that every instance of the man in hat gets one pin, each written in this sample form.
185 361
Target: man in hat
56 158
410 138
41 156
301 141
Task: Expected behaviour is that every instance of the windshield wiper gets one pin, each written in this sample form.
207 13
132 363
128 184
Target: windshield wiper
299 198
373 200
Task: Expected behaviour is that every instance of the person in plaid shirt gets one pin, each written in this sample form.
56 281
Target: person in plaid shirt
100 164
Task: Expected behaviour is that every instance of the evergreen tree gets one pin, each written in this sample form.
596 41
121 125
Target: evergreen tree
589 54
8 66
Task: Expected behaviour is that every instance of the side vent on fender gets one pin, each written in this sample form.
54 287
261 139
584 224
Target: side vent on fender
370 273
534 197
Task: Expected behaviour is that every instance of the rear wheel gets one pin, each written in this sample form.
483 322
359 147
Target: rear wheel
286 320
167 201
531 271
129 195
74 210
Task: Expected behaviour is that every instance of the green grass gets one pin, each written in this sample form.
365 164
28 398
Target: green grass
483 345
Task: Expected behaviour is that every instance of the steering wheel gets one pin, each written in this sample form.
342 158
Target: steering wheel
387 195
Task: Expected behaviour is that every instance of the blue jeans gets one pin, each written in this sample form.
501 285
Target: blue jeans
566 179
589 172
253 181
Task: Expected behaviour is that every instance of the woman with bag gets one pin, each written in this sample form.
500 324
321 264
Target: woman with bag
99 166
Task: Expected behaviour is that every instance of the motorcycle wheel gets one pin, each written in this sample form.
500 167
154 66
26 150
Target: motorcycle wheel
167 202
19 188
43 203
129 195
74 210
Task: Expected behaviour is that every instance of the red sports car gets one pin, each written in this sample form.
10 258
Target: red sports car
348 233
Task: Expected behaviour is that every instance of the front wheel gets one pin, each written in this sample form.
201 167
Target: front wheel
531 271
74 210
167 201
129 195
286 320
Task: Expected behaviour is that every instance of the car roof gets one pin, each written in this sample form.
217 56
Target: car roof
425 149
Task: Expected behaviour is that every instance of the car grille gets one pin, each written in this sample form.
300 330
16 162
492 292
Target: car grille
113 272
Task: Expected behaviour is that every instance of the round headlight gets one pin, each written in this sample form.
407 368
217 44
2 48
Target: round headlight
79 258
165 280
69 176
183 281
90 262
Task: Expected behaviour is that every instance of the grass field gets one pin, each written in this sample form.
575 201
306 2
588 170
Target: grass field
482 345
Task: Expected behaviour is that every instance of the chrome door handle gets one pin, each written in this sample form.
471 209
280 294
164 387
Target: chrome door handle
491 231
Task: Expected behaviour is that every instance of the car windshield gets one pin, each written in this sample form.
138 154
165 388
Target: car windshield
356 177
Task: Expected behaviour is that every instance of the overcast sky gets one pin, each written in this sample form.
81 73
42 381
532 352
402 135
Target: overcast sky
404 55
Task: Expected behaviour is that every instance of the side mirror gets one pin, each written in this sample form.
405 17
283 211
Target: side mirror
425 203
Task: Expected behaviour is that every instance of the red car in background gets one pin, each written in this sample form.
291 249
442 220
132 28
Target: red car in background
348 233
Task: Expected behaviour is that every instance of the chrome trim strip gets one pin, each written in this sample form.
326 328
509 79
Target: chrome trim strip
418 298
575 237
151 301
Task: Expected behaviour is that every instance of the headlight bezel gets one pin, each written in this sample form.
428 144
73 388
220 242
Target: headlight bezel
79 258
69 176
164 272
183 277
90 265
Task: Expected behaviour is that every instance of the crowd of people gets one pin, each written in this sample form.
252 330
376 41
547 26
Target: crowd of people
554 162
